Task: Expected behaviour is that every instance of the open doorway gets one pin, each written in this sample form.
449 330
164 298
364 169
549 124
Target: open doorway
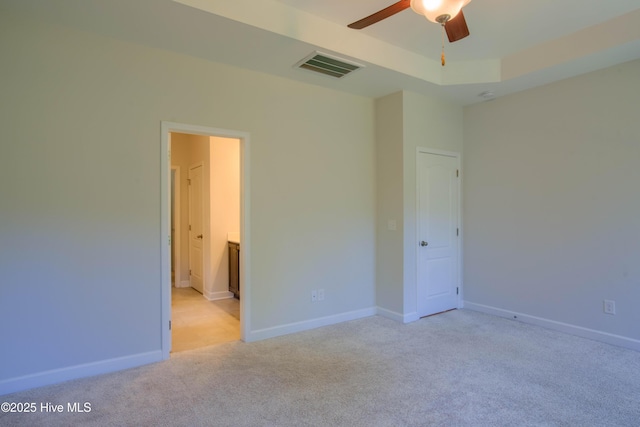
199 234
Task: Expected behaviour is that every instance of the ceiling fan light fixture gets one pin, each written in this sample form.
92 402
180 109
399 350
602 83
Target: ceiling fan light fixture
438 11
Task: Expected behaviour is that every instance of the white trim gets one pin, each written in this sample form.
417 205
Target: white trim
306 325
214 296
166 128
398 317
165 236
55 376
567 328
184 284
458 157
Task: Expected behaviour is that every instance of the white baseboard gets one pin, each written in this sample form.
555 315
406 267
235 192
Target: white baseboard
54 376
213 296
306 325
567 328
398 317
183 284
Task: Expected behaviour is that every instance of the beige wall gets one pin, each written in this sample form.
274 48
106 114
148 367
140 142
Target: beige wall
552 204
390 204
80 191
429 123
404 122
225 208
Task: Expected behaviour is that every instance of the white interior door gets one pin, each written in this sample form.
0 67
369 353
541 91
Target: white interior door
438 212
196 214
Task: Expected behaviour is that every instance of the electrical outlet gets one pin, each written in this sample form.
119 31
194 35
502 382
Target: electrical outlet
609 306
320 294
314 295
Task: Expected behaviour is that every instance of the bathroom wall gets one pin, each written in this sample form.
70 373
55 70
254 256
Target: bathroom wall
224 210
186 151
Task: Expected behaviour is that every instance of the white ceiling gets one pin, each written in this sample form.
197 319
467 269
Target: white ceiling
514 44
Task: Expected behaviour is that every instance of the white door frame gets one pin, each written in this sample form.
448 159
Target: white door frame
166 128
458 156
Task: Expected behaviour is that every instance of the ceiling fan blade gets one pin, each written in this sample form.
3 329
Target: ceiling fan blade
380 15
457 28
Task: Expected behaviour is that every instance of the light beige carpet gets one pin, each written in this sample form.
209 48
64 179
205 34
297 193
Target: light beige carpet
460 368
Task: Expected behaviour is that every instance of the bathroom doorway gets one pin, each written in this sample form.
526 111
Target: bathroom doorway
204 311
213 314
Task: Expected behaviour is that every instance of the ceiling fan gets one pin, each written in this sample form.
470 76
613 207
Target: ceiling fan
447 13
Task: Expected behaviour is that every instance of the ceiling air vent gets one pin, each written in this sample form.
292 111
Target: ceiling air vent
328 65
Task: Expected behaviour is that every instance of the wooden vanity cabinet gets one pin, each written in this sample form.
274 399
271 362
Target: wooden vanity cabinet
234 269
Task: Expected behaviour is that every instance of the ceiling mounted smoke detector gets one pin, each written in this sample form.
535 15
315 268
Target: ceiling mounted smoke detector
487 94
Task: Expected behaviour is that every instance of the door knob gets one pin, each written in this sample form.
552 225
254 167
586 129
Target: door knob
199 236
423 243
